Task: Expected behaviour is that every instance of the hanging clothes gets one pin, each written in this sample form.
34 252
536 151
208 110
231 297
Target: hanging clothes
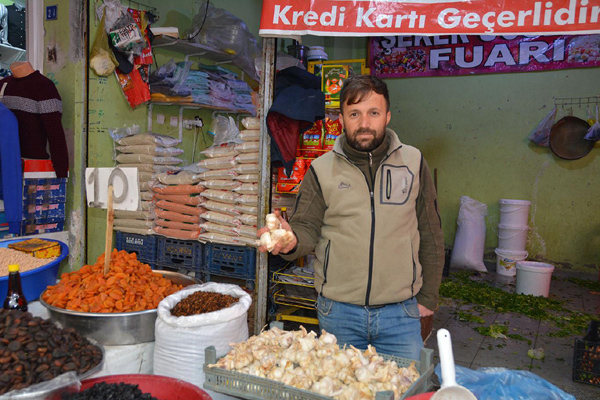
38 107
11 177
16 26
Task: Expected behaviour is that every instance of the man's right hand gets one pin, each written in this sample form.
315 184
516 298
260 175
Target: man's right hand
278 248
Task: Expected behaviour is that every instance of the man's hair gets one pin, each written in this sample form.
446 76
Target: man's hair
359 87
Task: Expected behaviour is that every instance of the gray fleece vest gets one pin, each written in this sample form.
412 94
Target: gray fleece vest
368 250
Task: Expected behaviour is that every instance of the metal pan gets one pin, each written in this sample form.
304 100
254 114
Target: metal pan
567 138
450 390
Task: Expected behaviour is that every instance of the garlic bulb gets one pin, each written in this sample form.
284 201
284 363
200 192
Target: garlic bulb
272 222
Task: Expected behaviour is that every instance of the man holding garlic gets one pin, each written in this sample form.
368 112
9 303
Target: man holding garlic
368 210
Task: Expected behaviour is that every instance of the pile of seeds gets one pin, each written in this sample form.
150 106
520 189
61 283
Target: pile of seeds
202 302
34 350
105 391
25 261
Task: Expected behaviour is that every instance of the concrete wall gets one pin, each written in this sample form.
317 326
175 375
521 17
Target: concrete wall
472 129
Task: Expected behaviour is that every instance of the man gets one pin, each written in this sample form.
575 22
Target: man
368 209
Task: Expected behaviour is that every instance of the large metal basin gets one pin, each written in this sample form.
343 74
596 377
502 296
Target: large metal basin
112 329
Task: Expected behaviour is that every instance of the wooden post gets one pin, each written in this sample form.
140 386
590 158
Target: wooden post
110 217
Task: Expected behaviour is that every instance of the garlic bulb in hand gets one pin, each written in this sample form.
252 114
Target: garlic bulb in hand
273 222
267 241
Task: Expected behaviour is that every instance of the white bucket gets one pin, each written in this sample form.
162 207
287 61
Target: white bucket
513 238
534 278
514 212
506 261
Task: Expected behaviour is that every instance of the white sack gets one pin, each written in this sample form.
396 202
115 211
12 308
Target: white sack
180 341
469 243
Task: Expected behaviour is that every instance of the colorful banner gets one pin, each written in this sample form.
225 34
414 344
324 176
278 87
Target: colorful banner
428 17
412 56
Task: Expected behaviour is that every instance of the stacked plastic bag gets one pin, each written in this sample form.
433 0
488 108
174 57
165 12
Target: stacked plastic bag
150 153
178 204
231 193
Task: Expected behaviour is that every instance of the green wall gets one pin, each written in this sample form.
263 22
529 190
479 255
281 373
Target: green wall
472 129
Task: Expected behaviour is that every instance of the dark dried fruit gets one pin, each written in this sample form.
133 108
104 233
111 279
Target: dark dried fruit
103 390
202 302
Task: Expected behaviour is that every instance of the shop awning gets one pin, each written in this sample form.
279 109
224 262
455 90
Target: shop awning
293 18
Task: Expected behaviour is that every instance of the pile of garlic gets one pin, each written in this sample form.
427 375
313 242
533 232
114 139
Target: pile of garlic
276 234
302 360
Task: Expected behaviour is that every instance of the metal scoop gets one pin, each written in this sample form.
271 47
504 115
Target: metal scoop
450 390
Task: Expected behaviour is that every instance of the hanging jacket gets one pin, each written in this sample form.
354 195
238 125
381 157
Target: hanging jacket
11 175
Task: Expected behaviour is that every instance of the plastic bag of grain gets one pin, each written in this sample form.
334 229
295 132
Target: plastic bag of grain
218 163
124 158
226 208
181 199
220 218
176 225
247 231
220 151
154 168
248 219
175 216
251 123
218 228
131 223
179 208
218 238
218 174
242 169
247 178
247 158
124 214
469 242
177 189
247 147
247 209
151 149
248 199
177 233
247 188
248 241
148 138
222 184
180 341
178 178
224 196
250 135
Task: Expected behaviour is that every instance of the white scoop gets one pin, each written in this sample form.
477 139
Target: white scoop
449 390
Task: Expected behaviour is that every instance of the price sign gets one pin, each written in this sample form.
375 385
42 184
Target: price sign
126 192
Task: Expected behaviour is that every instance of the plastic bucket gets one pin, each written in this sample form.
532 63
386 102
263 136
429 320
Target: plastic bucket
512 238
534 278
506 261
514 212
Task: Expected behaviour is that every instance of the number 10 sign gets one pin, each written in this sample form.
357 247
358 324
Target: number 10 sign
126 193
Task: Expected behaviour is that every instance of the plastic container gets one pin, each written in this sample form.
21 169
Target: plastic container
586 357
514 212
144 246
534 278
161 387
179 254
506 261
34 282
317 53
231 261
513 238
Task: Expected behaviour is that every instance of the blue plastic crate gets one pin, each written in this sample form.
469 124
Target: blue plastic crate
231 261
145 246
178 253
32 210
42 225
45 190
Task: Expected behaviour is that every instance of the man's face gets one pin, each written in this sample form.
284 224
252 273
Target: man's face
365 122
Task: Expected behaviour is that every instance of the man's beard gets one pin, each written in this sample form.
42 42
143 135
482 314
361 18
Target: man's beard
365 145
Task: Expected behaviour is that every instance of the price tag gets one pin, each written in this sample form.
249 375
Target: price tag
126 191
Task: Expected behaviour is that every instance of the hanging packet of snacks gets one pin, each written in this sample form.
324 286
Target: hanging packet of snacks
135 90
333 129
291 183
311 141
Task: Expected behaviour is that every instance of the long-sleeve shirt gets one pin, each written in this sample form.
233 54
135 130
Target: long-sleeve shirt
38 107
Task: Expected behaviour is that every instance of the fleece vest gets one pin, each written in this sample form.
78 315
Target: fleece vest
368 250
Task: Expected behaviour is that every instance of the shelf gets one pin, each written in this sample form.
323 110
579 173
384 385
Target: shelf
10 54
192 49
288 314
198 106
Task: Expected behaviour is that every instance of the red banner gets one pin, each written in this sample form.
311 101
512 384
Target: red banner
412 56
428 17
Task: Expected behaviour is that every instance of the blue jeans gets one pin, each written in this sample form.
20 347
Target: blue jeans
393 329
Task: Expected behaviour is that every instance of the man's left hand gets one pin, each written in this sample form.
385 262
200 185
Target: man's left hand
424 311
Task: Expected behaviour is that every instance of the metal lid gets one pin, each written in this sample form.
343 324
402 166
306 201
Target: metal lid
567 138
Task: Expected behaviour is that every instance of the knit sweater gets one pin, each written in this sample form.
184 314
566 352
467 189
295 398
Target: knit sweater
38 107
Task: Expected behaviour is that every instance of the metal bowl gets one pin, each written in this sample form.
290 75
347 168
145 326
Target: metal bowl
112 329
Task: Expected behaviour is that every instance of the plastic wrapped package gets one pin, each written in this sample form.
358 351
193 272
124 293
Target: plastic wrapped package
469 243
132 223
248 241
247 188
148 138
224 196
144 186
248 199
218 238
246 209
226 208
179 208
220 218
246 230
175 216
125 158
124 214
247 158
137 231
146 205
222 184
177 225
180 178
218 174
252 123
250 135
218 228
144 176
248 219
218 163
181 199
177 233
151 149
178 189
247 178
146 195
220 151
242 169
247 147
154 168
